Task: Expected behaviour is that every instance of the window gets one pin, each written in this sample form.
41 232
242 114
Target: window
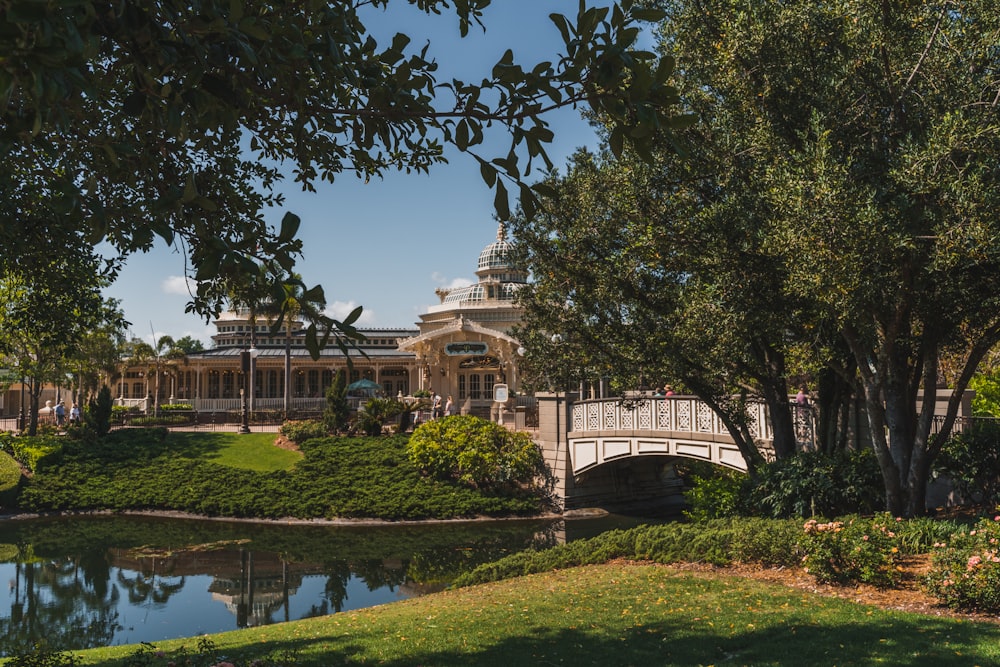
488 381
474 386
461 387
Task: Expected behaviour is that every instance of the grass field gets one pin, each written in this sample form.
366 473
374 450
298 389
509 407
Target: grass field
615 614
248 451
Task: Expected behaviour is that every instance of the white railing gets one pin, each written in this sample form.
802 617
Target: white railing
680 414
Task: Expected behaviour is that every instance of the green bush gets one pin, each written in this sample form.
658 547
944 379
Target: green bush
176 406
475 451
10 480
374 414
965 570
855 550
337 412
300 431
34 452
815 484
99 413
151 469
711 492
971 460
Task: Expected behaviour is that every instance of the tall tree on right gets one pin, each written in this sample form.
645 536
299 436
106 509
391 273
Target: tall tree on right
843 178
876 132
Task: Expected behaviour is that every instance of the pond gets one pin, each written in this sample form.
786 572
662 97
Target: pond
85 582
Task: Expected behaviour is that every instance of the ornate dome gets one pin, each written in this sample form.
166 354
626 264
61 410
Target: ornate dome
497 254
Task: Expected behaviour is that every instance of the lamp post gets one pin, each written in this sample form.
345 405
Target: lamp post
20 412
557 339
245 408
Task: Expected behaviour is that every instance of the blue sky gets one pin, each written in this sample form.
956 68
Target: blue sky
388 244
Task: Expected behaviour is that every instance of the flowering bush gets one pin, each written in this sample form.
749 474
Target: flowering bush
966 568
858 550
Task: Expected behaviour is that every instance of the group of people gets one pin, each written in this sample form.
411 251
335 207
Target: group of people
60 412
442 409
665 390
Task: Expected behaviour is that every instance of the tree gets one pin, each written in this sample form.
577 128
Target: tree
189 345
138 121
50 300
155 357
337 414
880 127
681 298
837 198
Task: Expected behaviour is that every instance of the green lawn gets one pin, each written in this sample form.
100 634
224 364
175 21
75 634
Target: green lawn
248 451
607 615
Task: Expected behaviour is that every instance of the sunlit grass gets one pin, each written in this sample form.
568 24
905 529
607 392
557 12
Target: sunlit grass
610 615
248 451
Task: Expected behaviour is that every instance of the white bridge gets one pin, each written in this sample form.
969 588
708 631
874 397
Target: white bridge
606 451
676 426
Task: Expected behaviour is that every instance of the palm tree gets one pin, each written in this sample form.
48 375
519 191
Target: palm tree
296 302
154 357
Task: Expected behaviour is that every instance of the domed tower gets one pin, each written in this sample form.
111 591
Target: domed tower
464 344
499 280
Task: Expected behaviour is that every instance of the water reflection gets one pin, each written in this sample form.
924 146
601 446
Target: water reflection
87 582
100 581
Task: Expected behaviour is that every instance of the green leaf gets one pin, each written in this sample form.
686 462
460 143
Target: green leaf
289 227
500 202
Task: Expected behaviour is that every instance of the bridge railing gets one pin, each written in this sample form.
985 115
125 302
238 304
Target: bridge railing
681 414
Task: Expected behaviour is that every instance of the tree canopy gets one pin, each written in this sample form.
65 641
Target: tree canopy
133 122
837 205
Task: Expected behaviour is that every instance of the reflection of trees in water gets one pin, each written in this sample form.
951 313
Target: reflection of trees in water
442 565
72 601
54 603
142 588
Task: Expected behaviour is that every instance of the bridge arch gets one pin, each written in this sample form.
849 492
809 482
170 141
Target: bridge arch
596 448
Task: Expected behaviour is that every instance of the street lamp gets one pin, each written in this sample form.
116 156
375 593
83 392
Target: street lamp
246 364
20 413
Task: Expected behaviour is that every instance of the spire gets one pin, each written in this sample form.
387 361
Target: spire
501 231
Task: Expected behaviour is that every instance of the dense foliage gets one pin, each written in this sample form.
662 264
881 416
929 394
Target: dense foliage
33 452
853 549
10 479
833 218
338 477
475 452
971 461
134 122
99 411
815 484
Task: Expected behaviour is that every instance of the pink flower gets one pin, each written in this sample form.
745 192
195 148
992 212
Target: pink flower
973 562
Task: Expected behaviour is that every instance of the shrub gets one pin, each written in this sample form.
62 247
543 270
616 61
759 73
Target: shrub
176 406
375 413
965 571
34 452
815 484
475 451
300 431
711 492
856 550
337 413
971 460
10 480
99 412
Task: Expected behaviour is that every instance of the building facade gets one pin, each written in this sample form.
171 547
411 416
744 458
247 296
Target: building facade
461 347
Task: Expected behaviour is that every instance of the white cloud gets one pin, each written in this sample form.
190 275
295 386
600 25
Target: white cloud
339 310
178 285
454 283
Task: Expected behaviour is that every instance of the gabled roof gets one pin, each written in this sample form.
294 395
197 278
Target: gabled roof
459 325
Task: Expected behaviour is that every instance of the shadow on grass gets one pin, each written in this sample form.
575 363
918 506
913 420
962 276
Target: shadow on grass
883 638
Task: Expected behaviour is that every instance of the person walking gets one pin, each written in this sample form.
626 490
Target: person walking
60 413
74 414
449 407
